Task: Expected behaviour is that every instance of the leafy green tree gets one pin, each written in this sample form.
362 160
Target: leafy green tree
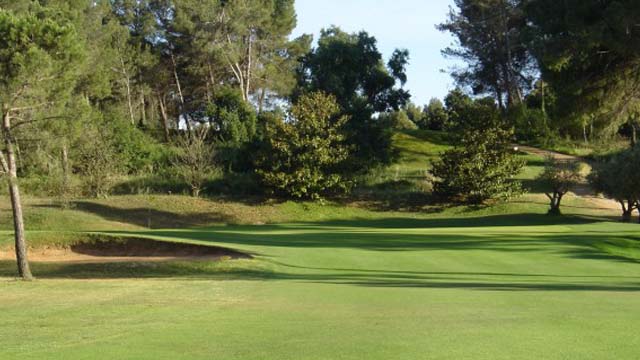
302 157
233 121
482 166
436 116
558 178
398 120
37 61
350 67
457 104
416 114
618 179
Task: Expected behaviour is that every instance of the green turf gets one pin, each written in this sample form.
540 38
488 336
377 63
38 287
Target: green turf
332 281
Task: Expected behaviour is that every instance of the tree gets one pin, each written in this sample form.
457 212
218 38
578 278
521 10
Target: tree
618 179
398 120
416 114
436 116
234 126
559 177
482 166
302 157
37 59
194 159
457 104
589 52
350 67
490 40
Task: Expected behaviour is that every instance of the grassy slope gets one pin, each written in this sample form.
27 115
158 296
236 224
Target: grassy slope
335 282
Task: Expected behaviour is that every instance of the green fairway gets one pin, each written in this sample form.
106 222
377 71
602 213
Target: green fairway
494 287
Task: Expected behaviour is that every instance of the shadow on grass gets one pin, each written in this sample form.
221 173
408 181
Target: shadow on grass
148 217
385 236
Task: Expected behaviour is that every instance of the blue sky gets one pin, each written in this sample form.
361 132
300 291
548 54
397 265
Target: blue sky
406 24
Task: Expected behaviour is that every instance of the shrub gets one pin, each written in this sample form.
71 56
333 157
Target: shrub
480 168
194 160
99 164
301 158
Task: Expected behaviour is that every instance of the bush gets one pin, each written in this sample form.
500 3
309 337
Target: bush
194 160
99 164
480 168
301 158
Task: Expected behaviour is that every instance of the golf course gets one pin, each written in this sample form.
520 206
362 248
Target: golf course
319 180
329 281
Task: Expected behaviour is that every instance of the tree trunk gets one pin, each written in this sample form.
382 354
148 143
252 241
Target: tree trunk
263 95
143 109
9 165
165 118
554 206
180 95
65 168
627 210
127 83
544 101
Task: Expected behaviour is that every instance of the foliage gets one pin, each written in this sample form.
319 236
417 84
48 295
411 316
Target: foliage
350 67
194 159
618 179
588 52
398 120
490 38
436 116
301 158
416 114
482 166
558 178
530 124
457 104
98 162
234 124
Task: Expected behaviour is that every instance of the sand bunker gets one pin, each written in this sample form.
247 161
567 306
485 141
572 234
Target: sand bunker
110 249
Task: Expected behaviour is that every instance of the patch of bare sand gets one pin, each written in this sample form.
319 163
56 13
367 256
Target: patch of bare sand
126 250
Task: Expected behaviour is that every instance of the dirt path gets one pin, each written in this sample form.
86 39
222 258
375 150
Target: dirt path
583 190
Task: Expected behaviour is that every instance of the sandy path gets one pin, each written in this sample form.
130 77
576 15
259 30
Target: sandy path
583 190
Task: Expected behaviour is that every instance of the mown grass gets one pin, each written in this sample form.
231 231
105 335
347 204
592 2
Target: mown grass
489 287
331 281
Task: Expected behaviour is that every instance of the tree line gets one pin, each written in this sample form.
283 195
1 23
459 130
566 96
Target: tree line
173 91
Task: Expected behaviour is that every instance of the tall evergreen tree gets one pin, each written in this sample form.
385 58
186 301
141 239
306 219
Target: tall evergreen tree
37 74
491 41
